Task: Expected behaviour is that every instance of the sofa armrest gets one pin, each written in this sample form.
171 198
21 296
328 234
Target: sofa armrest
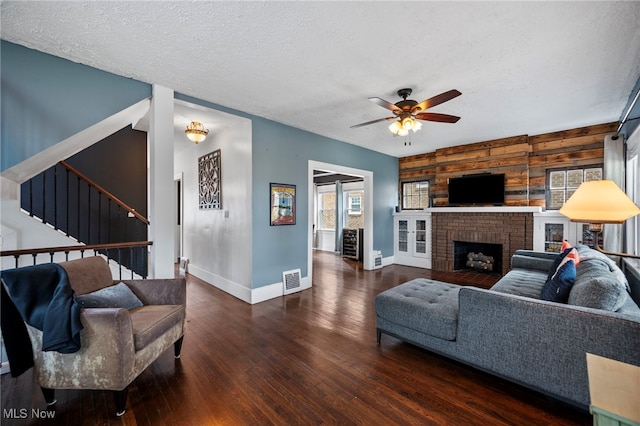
170 291
542 344
529 259
105 360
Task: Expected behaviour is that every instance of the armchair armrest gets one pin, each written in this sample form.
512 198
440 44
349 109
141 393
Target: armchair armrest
171 291
104 361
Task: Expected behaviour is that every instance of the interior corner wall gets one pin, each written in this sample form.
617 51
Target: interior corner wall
218 242
46 99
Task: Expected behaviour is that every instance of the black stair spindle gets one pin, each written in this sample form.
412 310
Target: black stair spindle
44 197
66 224
55 198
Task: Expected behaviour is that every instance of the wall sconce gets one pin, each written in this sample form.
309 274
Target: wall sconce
196 132
599 202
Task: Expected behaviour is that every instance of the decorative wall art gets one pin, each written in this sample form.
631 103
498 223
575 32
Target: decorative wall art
210 181
283 204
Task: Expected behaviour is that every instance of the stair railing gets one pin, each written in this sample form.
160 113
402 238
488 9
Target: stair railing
136 253
75 205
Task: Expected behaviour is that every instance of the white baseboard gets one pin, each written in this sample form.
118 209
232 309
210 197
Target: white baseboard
251 296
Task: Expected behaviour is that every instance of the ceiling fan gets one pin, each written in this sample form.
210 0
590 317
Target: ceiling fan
407 112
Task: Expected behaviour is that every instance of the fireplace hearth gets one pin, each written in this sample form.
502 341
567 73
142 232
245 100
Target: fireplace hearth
485 257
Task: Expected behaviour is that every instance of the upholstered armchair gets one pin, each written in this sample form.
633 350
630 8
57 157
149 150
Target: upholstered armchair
116 343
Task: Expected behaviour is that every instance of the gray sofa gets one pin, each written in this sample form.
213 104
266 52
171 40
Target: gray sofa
510 332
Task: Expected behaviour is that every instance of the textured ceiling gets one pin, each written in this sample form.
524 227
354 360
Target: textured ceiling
522 67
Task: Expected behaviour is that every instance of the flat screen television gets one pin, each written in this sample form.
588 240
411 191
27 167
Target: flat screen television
481 189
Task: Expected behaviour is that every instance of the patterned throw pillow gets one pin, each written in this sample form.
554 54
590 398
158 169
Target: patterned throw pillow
557 288
568 252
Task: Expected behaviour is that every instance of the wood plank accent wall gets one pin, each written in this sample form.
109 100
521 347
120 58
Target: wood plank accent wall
523 159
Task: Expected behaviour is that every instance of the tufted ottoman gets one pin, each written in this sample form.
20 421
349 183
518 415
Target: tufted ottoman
423 305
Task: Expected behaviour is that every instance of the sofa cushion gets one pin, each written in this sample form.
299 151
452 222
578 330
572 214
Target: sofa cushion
522 282
597 287
115 296
587 253
423 305
558 287
152 321
600 283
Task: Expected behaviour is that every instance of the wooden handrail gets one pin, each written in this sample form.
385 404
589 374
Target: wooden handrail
105 192
78 247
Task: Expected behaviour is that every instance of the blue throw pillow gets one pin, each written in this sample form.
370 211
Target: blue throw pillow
557 289
556 262
115 296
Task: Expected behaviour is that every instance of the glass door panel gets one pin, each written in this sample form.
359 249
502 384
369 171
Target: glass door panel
553 236
403 235
421 236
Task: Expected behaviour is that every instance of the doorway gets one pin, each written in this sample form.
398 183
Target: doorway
367 177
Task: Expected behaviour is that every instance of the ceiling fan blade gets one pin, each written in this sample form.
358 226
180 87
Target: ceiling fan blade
437 100
433 116
371 122
386 104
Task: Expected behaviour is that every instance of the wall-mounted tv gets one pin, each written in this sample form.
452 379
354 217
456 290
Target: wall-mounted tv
480 189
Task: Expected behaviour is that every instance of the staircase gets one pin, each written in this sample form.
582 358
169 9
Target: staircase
73 205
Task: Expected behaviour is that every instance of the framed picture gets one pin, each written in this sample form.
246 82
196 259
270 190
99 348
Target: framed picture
283 204
210 181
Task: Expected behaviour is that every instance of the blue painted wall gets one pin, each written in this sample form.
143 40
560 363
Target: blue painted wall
46 99
281 154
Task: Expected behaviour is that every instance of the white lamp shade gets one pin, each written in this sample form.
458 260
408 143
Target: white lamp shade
600 201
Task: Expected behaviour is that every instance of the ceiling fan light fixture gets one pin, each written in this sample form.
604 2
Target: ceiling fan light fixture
403 132
416 126
407 123
196 132
395 127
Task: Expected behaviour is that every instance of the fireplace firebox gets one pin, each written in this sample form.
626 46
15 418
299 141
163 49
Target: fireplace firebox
485 257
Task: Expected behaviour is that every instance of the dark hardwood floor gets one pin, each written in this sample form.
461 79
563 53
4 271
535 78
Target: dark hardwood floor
304 359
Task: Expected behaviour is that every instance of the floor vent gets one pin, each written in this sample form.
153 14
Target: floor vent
377 259
291 281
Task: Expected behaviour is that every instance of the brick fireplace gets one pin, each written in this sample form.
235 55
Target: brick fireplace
510 227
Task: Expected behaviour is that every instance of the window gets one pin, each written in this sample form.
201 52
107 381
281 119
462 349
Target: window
562 183
327 210
415 195
355 204
352 208
354 218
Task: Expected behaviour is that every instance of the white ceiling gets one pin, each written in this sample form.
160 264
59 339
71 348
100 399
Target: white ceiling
522 67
